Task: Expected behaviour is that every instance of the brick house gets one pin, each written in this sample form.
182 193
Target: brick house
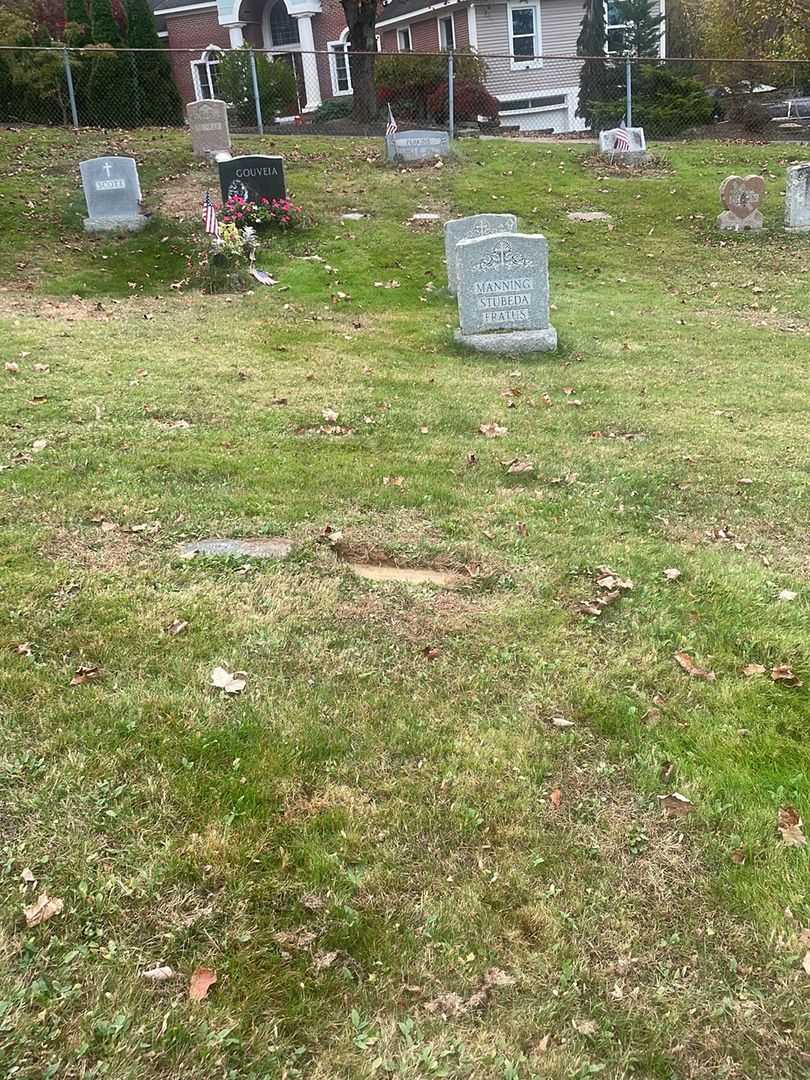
533 93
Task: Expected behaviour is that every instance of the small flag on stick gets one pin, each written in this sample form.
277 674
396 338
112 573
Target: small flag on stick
622 139
210 216
392 128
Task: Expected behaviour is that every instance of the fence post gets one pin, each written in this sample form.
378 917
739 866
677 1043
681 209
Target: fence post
70 90
451 120
257 102
628 77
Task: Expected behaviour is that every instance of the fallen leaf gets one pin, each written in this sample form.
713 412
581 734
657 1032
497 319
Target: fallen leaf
423 430
230 683
39 444
672 573
329 535
585 1027
176 627
754 669
521 528
471 458
789 826
806 962
518 465
158 974
394 481
321 961
608 579
201 982
279 401
561 722
738 856
676 805
542 1046
693 670
329 415
23 649
555 798
786 595
28 876
492 430
784 674
41 369
430 651
11 367
295 939
85 674
44 908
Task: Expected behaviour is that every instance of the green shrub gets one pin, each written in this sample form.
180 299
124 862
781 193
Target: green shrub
338 108
407 80
664 103
278 93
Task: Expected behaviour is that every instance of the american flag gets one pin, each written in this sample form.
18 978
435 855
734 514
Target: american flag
392 128
210 216
621 140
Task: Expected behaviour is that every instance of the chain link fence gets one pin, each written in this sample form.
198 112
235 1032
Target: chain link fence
465 92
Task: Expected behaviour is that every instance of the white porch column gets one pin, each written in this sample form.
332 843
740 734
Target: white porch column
309 61
235 34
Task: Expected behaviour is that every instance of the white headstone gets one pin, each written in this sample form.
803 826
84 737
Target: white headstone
468 228
112 191
502 283
208 123
613 144
797 200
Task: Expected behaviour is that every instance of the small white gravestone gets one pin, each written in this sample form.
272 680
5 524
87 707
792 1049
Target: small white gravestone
502 283
468 228
112 191
741 196
208 123
626 145
797 198
417 146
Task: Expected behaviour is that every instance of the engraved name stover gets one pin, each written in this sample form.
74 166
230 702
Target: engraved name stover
505 300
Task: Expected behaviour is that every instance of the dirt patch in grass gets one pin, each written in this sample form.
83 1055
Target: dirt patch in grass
423 619
764 320
182 196
654 167
97 550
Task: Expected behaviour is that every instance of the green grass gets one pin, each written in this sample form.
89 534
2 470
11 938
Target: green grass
394 805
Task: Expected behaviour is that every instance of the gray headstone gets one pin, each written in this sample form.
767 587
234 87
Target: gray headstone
613 145
502 283
253 176
112 191
468 228
208 123
797 200
417 146
741 196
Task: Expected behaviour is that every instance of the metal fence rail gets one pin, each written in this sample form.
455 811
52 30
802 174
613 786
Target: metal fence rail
464 92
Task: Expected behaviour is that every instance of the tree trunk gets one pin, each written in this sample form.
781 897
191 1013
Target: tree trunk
361 19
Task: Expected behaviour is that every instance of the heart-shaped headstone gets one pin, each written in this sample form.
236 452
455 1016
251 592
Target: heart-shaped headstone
742 195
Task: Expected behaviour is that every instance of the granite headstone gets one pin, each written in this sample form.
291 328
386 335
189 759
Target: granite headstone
502 283
112 191
468 228
797 200
415 146
208 123
253 176
626 145
741 197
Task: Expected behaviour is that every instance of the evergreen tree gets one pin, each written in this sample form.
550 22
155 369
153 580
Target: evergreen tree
111 97
594 75
642 26
158 101
77 23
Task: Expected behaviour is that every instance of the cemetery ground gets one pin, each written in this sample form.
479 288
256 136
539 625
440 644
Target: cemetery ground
429 837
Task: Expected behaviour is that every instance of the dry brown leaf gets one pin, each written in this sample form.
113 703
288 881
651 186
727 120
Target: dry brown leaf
41 369
394 481
27 875
229 683
330 416
176 627
39 444
23 649
789 826
786 595
471 458
43 909
585 1027
738 856
609 580
753 669
430 651
321 961
693 670
201 982
518 465
561 722
158 974
492 430
555 798
676 805
11 367
85 675
806 962
542 1046
784 674
672 573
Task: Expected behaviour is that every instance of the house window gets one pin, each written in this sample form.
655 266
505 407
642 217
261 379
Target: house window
204 74
524 30
447 37
404 39
283 28
615 28
519 105
339 67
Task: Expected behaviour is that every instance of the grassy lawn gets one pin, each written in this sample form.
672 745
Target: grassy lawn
394 860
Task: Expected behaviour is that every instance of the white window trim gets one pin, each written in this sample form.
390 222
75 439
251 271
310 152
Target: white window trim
404 30
662 40
203 60
515 63
442 19
331 47
535 108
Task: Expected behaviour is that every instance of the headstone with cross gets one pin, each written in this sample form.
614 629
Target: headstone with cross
112 191
797 198
468 228
502 283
